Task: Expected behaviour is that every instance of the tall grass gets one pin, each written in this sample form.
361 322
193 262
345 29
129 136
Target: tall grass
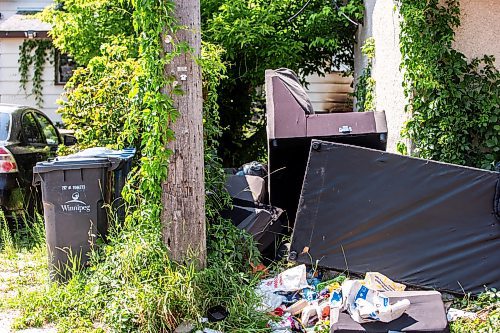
130 284
21 231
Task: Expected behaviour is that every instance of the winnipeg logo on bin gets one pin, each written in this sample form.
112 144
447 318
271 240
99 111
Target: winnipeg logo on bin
75 204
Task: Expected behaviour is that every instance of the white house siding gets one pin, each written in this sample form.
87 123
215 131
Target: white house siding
382 23
10 91
10 7
330 93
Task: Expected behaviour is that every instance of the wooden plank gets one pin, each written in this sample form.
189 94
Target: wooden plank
330 88
13 88
11 74
336 78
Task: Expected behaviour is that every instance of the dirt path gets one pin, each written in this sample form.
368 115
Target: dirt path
20 272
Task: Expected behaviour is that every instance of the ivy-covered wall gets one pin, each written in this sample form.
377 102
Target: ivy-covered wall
430 69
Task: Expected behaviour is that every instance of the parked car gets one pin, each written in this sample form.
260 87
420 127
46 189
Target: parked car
27 136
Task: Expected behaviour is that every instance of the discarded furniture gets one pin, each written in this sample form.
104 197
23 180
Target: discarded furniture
263 224
247 190
292 124
423 223
251 213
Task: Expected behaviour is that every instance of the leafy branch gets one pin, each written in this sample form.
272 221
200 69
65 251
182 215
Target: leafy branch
365 87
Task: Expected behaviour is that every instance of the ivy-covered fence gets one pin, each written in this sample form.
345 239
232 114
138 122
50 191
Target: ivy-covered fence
454 103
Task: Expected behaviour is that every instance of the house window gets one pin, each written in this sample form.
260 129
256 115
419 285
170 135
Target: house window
65 65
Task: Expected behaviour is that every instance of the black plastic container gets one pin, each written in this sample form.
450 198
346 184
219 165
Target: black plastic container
73 195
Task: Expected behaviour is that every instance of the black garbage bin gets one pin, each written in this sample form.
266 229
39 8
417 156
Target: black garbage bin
73 195
122 160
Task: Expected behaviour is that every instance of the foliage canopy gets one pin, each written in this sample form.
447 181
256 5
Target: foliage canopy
262 34
255 34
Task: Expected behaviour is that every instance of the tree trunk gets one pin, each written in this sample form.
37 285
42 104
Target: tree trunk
183 197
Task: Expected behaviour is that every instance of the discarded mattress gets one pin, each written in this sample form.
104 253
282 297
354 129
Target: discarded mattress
262 223
425 314
420 222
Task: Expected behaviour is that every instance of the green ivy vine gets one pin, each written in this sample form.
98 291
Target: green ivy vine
150 122
34 52
365 87
454 103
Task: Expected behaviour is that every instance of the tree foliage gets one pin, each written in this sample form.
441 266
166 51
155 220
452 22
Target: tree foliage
262 34
255 34
79 28
98 99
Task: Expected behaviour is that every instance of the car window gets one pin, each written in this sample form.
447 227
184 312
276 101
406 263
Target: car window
49 131
4 126
32 134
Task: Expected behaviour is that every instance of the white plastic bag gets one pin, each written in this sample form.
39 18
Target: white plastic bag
292 279
364 305
270 300
456 314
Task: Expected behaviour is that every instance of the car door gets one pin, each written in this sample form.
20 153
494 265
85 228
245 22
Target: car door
34 146
50 135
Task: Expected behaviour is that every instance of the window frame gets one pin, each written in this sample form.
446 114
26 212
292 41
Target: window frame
57 80
39 114
23 130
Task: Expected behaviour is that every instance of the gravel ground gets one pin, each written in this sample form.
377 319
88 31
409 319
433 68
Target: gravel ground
7 318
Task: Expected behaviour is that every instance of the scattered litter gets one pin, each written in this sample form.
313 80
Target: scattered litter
315 312
367 305
317 302
287 323
456 314
217 313
292 279
184 327
270 300
380 282
253 169
309 294
208 330
280 311
297 307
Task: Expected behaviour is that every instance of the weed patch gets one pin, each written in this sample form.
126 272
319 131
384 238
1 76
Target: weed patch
132 286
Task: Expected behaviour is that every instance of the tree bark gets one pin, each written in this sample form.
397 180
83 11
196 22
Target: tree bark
183 196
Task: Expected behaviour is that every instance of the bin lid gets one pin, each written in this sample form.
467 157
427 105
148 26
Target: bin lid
122 155
71 164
